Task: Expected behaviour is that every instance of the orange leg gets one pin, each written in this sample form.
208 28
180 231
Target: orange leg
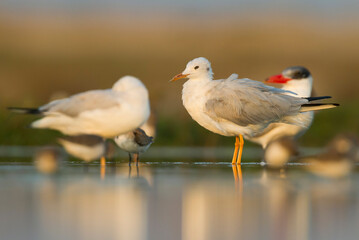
103 167
236 146
241 143
103 171
103 161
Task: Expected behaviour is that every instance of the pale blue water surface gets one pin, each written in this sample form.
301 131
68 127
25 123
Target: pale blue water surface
175 200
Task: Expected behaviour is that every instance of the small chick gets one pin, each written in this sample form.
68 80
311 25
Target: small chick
84 147
48 160
134 142
338 160
279 152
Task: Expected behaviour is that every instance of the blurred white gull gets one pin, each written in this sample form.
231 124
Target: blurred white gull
84 147
48 160
280 151
294 79
237 107
134 143
337 160
106 113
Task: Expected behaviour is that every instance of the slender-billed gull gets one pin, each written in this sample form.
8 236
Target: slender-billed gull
295 79
134 143
106 113
238 107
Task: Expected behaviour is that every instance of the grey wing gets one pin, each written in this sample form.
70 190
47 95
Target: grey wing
141 137
233 76
246 104
87 101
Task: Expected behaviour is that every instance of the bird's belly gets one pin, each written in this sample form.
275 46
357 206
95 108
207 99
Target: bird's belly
110 124
127 143
221 126
129 146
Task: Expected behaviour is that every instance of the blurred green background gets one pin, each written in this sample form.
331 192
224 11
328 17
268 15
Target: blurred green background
57 48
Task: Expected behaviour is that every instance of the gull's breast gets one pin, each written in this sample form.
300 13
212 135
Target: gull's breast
194 100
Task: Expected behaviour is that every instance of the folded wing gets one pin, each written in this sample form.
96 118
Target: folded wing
79 103
245 102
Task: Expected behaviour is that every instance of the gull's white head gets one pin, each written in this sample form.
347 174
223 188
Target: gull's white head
127 83
296 79
196 69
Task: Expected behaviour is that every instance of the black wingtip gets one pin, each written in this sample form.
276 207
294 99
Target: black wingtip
320 104
317 98
24 110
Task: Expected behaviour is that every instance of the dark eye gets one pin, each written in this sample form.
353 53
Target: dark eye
196 67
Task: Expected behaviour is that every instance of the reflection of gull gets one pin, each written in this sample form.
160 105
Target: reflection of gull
295 79
134 142
106 113
87 148
237 107
338 160
48 159
279 151
84 147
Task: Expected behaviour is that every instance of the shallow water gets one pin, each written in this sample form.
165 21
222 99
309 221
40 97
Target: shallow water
175 200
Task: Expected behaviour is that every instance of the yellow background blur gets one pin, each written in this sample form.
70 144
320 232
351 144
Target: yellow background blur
57 52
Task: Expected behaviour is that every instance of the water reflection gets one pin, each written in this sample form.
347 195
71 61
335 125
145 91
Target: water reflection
173 201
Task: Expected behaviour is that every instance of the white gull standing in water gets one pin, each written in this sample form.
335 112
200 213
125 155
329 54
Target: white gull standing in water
237 107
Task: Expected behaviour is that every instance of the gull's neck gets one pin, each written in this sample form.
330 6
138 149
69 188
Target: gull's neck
194 89
195 83
202 78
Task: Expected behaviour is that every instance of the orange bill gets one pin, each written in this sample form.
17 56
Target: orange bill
178 76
